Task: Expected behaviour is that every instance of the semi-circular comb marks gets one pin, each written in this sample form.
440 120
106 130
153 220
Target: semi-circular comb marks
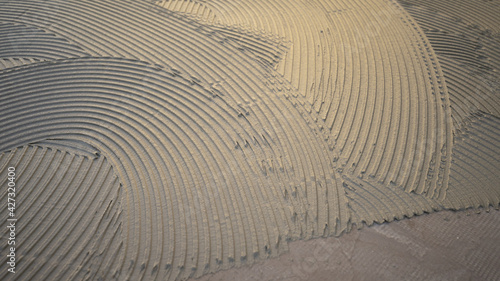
70 214
204 185
369 73
167 140
465 37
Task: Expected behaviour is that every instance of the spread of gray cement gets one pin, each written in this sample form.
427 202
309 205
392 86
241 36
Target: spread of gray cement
165 140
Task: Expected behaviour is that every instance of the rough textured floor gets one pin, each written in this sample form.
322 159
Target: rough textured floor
166 140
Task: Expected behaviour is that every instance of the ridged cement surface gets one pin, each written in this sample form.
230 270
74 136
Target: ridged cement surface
162 140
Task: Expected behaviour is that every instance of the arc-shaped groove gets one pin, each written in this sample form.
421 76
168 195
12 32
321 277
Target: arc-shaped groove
70 209
25 41
464 35
209 134
161 146
474 176
334 50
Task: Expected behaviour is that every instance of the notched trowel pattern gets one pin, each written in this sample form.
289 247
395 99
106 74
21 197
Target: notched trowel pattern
209 134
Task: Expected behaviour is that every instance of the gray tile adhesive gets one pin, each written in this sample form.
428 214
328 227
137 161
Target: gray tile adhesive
162 140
